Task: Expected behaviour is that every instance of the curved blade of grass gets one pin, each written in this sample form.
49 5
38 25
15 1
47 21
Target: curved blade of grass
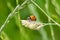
34 12
18 19
51 28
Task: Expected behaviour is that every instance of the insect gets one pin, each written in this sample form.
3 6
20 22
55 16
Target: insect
32 18
31 23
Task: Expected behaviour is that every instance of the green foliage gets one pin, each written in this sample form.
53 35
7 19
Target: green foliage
13 11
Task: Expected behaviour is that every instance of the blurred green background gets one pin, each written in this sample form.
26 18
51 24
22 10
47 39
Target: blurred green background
15 31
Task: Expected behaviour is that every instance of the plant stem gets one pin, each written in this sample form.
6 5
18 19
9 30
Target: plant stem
45 13
9 16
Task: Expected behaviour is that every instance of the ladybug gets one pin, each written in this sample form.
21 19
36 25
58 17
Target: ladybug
32 18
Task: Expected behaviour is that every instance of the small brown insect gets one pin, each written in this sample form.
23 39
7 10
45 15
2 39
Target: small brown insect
32 17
